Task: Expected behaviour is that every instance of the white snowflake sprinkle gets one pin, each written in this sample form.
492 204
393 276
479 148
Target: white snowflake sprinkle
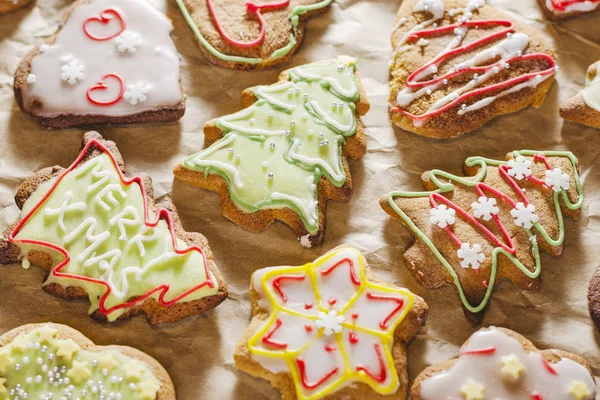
136 93
73 71
485 208
331 322
524 216
305 241
442 216
129 42
557 179
471 256
31 78
519 167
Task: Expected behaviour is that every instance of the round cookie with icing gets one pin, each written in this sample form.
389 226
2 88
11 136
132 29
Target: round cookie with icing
249 34
561 9
111 62
100 236
53 361
491 225
328 329
459 63
584 107
497 363
285 154
10 5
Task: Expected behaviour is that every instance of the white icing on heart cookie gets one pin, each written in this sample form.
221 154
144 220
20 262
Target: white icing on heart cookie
591 93
112 57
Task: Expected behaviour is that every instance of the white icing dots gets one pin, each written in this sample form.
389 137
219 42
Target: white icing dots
136 93
442 216
524 216
31 78
73 71
557 180
129 42
519 167
471 256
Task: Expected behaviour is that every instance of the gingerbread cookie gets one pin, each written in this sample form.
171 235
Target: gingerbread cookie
498 363
594 297
53 361
284 155
584 107
560 9
473 232
460 63
111 62
101 236
329 329
10 5
245 35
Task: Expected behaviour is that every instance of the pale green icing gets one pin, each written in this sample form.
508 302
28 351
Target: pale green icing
104 233
294 18
445 185
41 369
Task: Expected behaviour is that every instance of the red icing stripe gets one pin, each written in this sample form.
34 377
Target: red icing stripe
102 86
254 9
562 5
162 214
398 301
536 396
489 350
277 284
105 17
267 339
549 367
353 276
382 370
305 383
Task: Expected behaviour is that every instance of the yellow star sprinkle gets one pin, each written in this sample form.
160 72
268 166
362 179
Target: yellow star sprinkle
512 367
5 361
107 362
472 391
148 390
66 349
79 371
133 371
579 390
46 333
2 387
20 343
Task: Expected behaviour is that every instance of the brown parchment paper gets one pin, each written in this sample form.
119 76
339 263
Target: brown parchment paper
198 352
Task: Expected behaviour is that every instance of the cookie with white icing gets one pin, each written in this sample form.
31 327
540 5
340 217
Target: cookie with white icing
491 225
459 63
10 5
561 9
328 329
52 361
249 34
111 62
584 107
285 155
101 236
497 363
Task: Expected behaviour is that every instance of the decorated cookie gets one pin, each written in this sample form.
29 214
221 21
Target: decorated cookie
459 63
329 329
584 107
101 236
474 231
249 34
285 155
559 9
10 5
498 363
111 62
52 361
594 297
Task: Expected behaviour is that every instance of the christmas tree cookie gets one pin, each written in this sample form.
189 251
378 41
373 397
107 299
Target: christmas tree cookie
475 231
584 108
560 9
328 329
285 154
52 361
249 34
111 62
498 363
101 236
459 63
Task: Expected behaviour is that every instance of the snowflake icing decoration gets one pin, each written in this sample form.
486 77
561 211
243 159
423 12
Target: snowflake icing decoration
524 216
73 71
136 93
442 216
519 167
557 180
485 208
129 42
471 256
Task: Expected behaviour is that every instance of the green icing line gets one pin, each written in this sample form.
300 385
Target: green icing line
445 187
277 54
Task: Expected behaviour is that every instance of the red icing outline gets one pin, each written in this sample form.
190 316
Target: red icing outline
352 338
329 348
400 302
489 350
413 84
162 213
382 370
101 85
277 284
310 386
536 396
353 276
256 10
562 5
549 367
267 339
105 18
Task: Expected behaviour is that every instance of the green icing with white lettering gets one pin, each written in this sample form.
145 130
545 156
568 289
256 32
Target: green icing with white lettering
99 221
273 153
